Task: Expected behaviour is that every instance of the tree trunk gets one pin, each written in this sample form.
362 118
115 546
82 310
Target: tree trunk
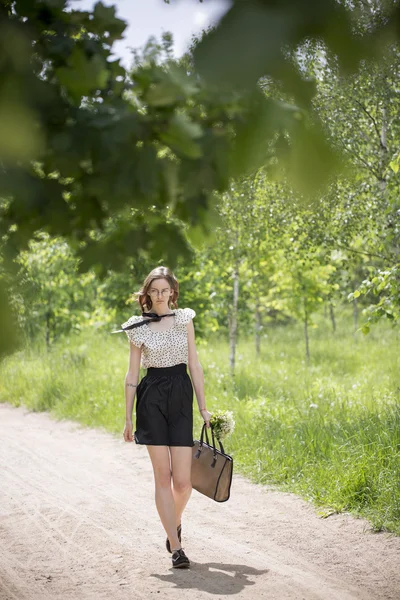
233 318
258 328
48 329
306 332
355 310
384 150
332 316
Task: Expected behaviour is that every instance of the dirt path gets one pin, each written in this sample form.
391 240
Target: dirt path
78 521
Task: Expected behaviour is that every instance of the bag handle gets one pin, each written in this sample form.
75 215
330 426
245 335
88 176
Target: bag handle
204 430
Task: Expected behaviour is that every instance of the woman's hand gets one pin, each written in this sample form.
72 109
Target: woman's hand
206 416
128 431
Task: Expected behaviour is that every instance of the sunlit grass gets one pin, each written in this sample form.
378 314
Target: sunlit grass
328 430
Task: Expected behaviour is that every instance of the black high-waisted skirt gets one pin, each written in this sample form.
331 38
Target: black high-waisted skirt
164 407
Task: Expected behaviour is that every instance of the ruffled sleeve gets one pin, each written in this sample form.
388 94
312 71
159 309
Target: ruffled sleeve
184 315
137 335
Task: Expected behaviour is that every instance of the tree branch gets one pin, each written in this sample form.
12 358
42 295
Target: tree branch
363 161
371 254
374 122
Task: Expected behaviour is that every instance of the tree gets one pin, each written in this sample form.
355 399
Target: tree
360 113
55 299
85 143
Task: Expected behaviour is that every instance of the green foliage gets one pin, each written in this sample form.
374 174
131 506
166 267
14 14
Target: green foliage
386 285
395 164
252 39
96 142
53 299
361 116
9 328
300 288
119 164
84 119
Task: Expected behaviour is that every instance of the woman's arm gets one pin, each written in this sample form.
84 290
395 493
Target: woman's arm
196 373
131 380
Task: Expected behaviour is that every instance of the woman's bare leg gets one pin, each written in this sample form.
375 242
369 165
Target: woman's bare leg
181 463
165 504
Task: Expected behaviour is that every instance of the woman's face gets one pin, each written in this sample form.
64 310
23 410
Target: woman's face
160 293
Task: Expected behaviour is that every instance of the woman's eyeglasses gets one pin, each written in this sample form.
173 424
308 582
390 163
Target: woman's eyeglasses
157 293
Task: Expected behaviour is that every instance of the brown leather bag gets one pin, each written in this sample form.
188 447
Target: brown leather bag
211 468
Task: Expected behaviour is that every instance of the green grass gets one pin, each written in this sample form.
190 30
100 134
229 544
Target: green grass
329 431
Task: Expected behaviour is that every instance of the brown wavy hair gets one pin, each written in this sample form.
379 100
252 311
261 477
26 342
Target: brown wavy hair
143 297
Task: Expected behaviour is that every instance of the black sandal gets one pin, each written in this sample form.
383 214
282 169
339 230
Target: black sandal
179 531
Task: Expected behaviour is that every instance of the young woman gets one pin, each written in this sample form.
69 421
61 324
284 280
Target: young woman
163 342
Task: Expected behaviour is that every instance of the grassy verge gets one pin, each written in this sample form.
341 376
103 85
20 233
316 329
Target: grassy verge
329 431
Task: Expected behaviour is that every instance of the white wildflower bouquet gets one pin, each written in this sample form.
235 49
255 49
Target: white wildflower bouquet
222 423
